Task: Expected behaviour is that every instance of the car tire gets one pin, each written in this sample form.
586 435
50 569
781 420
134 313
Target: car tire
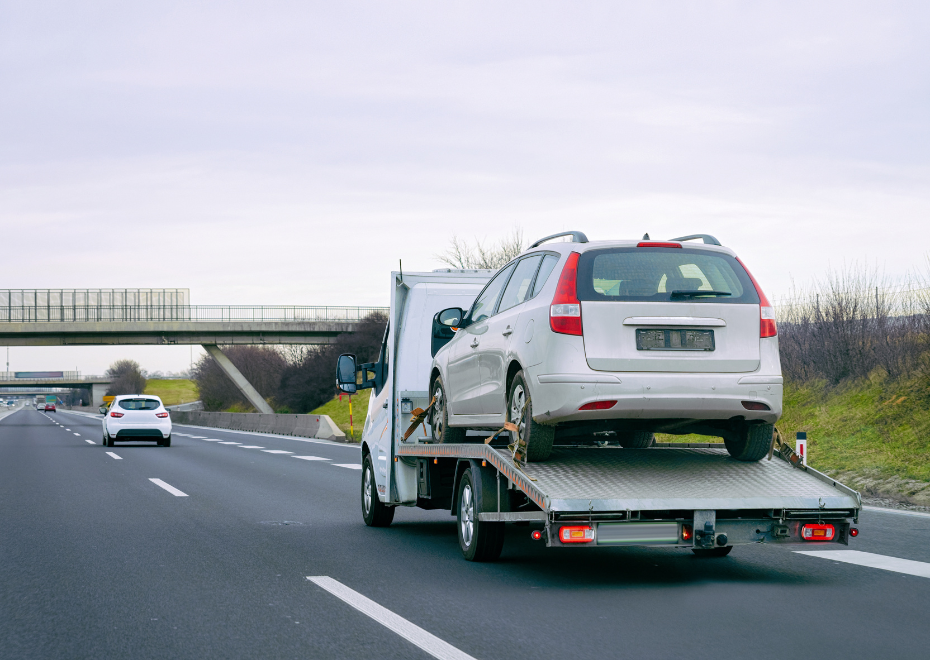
750 442
479 540
104 442
636 439
374 511
108 439
164 442
538 437
439 418
712 552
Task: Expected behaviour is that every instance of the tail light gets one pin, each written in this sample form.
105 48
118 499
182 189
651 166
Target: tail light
598 405
576 534
767 325
818 532
687 532
162 415
754 405
116 414
658 244
565 311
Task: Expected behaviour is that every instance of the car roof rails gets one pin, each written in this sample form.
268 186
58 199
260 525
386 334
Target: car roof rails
708 239
577 237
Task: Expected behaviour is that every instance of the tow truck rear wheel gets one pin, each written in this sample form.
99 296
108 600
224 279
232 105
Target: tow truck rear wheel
636 439
375 513
538 437
479 540
712 552
750 442
439 420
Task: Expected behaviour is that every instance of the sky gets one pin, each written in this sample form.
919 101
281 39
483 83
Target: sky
294 152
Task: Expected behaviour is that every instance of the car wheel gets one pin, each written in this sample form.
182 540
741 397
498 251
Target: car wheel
104 442
375 513
165 442
108 439
479 540
439 418
712 552
538 437
636 439
750 442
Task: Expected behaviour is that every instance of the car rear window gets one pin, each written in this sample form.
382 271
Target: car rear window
663 275
139 404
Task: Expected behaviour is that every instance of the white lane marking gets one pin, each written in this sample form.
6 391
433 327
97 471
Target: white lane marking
211 439
918 568
197 437
67 429
250 447
229 443
78 434
171 489
90 442
900 512
351 466
318 441
311 458
276 451
110 453
397 624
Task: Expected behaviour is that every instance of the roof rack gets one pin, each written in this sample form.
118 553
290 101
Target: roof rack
577 237
708 239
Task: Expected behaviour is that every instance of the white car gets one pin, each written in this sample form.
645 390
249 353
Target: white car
136 417
579 341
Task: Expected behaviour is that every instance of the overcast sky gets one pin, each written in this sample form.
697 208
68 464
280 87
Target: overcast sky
292 153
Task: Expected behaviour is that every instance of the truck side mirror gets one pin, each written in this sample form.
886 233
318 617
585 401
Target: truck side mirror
444 325
345 374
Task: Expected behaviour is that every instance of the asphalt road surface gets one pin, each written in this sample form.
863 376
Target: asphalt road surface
98 560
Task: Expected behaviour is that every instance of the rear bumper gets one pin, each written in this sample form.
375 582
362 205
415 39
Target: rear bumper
153 431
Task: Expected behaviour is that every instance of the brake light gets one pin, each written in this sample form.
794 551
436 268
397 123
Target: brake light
598 405
818 532
565 310
687 532
576 534
162 415
754 405
658 244
116 414
767 325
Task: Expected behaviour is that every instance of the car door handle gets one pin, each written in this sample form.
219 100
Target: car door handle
474 343
385 404
508 331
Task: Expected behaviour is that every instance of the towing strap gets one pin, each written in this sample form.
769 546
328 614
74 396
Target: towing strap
419 414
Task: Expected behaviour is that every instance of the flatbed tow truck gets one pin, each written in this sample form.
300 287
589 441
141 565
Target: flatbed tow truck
687 495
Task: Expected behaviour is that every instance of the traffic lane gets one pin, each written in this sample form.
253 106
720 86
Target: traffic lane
100 562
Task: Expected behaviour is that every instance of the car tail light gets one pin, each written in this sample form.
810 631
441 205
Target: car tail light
754 405
162 415
598 405
116 414
565 311
818 532
576 534
767 325
687 532
658 244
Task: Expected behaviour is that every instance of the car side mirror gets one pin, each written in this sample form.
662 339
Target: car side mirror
346 369
445 323
102 410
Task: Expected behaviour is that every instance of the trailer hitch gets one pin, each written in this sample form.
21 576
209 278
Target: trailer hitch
706 537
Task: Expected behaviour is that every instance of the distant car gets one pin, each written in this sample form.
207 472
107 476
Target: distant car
50 407
40 406
136 417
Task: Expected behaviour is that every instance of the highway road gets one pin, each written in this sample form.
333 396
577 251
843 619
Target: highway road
212 560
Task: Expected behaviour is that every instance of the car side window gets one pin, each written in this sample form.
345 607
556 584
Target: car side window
518 289
549 262
483 306
383 359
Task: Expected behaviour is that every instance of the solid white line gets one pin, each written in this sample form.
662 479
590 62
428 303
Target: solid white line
347 445
351 466
397 624
90 442
311 458
171 489
894 564
110 453
900 512
276 451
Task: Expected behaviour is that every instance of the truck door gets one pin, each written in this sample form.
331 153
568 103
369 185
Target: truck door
377 433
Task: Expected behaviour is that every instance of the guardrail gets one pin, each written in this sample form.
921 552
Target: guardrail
191 313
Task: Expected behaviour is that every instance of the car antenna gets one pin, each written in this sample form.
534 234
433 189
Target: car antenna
646 236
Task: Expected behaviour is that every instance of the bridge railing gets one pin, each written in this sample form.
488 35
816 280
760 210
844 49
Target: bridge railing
191 313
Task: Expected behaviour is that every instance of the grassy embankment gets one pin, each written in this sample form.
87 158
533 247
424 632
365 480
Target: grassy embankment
173 391
339 412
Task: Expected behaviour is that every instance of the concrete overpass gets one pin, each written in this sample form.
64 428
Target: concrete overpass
97 385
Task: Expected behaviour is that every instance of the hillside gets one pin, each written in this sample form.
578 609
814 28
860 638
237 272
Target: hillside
339 412
173 391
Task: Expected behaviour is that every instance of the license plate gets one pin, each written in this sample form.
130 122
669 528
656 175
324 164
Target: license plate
674 340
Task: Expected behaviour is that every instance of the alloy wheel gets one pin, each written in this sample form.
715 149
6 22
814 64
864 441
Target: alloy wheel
468 515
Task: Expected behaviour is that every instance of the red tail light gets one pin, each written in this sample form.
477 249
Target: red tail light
565 311
576 534
658 244
162 415
818 532
116 414
754 405
767 325
687 532
598 405
853 531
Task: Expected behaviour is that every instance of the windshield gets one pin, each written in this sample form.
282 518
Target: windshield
139 404
663 275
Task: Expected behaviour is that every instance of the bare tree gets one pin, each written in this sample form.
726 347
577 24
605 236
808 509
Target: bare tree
126 377
262 366
463 255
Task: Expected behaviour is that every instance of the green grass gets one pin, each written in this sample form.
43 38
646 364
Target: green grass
339 412
173 391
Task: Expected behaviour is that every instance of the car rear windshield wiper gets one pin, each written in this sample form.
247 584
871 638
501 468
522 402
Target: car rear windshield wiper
695 294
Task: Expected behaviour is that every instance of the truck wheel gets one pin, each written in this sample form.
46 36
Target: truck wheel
479 541
712 552
636 439
750 442
538 437
375 513
439 419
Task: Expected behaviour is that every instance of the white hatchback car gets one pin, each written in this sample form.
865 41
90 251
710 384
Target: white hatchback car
136 417
578 341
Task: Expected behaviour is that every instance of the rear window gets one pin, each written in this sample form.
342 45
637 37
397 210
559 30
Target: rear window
663 275
139 404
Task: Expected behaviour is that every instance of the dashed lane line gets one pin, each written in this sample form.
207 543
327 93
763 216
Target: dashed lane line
171 489
311 458
90 442
211 439
229 443
276 451
250 447
350 466
77 434
396 624
906 566
117 457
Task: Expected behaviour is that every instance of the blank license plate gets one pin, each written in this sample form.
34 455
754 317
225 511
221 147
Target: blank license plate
674 340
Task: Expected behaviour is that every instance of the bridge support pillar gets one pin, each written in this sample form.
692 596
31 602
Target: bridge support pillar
249 392
97 392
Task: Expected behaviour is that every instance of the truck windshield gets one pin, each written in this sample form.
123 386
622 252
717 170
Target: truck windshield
663 275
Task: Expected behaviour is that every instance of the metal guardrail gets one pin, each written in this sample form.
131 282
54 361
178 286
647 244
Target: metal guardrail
193 313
